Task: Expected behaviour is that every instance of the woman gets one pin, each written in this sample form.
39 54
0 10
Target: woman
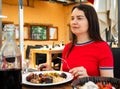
87 54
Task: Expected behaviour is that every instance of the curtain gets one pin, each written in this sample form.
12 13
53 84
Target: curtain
107 14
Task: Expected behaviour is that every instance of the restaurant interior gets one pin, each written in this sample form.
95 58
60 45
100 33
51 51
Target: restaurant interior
46 29
52 16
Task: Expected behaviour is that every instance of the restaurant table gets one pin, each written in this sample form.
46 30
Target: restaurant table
61 86
48 52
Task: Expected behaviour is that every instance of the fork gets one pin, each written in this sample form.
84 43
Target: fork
64 62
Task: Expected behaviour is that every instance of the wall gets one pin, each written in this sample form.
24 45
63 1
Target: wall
43 13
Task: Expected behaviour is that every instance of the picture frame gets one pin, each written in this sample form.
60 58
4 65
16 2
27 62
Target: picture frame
26 33
38 32
53 33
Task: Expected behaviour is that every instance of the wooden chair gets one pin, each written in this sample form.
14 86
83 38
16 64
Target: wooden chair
28 51
57 61
41 58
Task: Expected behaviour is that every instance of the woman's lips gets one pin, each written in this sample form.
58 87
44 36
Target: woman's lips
74 27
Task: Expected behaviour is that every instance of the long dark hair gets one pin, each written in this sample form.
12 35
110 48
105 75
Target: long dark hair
93 30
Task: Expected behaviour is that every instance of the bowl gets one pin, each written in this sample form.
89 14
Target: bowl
104 80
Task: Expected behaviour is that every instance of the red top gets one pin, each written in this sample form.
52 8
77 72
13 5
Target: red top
92 1
92 55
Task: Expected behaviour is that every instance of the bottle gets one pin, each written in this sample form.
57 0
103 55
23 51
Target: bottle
10 61
53 45
62 43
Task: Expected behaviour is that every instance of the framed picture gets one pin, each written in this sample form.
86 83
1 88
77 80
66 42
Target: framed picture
17 32
53 33
26 32
38 32
4 23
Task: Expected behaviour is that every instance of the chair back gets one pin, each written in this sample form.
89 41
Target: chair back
116 56
28 51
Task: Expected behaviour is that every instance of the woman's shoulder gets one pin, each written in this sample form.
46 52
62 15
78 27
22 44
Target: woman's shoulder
66 48
68 45
101 43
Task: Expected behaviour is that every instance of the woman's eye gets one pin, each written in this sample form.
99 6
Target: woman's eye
72 18
79 18
76 18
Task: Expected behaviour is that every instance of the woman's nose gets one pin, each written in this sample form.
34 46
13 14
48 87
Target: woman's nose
74 21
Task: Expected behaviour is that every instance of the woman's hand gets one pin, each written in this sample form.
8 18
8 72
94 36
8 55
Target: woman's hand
44 67
79 72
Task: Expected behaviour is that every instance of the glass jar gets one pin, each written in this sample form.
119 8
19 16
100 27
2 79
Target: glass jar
10 64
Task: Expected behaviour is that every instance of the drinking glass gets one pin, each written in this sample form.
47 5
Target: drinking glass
26 65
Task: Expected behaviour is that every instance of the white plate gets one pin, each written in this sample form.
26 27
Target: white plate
24 81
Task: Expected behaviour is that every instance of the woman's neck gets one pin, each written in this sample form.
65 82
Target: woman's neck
81 39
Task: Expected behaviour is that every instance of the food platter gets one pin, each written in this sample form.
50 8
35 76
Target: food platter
67 79
115 82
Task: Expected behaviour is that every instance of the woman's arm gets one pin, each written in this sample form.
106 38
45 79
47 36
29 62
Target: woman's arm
107 73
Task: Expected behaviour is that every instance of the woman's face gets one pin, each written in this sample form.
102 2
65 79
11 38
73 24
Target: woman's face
79 22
